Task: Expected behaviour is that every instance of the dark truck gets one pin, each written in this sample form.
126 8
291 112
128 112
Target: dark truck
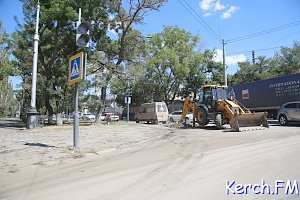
268 95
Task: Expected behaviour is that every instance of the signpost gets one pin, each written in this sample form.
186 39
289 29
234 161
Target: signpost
76 74
77 69
128 101
76 64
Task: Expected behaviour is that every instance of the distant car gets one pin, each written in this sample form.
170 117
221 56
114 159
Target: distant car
111 116
289 112
88 116
102 116
176 116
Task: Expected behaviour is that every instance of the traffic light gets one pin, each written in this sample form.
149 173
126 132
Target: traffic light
82 34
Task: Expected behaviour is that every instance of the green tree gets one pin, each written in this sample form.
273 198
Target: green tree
5 65
196 76
249 72
57 44
288 60
7 99
172 53
285 62
128 46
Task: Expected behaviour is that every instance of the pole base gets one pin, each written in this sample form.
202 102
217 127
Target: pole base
32 118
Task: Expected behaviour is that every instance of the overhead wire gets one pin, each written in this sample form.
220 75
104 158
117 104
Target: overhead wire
264 32
202 22
282 38
199 19
263 49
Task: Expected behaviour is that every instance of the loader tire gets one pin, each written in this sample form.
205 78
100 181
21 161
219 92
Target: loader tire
201 116
219 121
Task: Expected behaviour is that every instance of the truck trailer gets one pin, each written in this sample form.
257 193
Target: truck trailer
269 94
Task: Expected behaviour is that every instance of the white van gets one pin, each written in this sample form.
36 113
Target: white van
152 112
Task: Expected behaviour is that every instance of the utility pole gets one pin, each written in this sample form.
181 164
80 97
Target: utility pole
224 66
32 114
253 57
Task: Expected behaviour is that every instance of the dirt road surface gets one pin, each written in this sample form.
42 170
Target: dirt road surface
140 161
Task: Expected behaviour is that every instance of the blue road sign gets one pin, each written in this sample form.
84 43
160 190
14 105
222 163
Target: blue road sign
76 68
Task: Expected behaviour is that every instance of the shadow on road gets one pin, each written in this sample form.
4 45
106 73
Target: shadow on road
11 123
290 124
38 145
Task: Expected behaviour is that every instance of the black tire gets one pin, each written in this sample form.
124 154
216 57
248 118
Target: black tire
219 121
201 116
283 120
171 119
154 121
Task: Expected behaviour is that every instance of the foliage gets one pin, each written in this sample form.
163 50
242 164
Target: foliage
5 65
56 45
8 103
126 47
7 99
286 62
171 53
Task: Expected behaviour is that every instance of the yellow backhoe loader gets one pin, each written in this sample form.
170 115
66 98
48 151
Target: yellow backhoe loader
218 105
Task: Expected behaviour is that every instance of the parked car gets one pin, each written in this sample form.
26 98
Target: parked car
176 116
289 112
110 116
87 116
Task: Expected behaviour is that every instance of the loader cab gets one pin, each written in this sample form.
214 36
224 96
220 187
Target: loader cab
210 94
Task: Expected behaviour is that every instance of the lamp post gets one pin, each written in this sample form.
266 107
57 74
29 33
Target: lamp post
32 114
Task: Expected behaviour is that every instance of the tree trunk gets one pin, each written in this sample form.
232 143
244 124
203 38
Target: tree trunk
101 106
49 109
99 112
59 119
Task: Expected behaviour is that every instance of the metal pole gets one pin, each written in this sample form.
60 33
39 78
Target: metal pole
76 115
35 58
32 115
127 108
76 119
224 66
79 15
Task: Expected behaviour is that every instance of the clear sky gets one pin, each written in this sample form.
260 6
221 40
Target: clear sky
215 20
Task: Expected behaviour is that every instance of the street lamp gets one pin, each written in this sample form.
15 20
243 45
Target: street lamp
32 114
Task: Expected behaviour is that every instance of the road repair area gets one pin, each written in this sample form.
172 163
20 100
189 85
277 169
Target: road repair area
144 161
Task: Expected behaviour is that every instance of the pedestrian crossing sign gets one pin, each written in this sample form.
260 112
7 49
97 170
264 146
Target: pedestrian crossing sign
76 63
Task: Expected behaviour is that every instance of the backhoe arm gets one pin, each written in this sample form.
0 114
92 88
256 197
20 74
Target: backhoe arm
187 106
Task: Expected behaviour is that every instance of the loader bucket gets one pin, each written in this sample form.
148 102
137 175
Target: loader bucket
248 119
